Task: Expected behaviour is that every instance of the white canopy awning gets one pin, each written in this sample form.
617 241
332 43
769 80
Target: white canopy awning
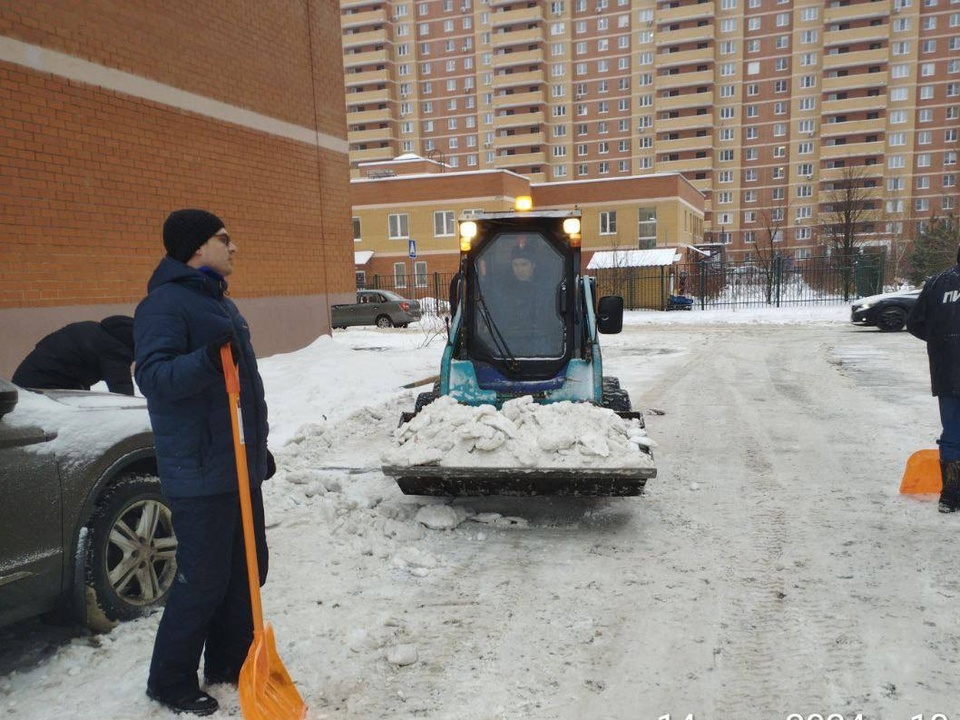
362 257
655 257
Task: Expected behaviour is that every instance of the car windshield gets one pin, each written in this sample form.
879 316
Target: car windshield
517 281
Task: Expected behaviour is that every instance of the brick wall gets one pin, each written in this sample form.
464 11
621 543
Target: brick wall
88 172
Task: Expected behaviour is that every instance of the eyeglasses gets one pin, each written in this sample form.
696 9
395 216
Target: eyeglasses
224 238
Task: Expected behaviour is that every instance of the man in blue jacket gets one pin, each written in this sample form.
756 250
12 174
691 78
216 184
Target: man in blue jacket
179 329
935 318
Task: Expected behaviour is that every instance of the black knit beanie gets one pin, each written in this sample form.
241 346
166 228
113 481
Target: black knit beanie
186 230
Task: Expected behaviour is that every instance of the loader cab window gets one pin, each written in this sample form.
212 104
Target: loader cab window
518 280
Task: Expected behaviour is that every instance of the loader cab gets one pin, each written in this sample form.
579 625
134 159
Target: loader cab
519 319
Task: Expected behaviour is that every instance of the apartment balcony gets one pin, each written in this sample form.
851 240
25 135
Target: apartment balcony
370 37
368 116
852 36
516 37
696 11
528 119
523 57
376 16
692 122
857 11
375 135
688 79
853 127
684 144
854 150
516 17
854 59
684 35
683 101
531 77
532 158
348 4
850 82
860 104
685 57
371 57
371 154
368 97
532 139
517 100
368 77
692 165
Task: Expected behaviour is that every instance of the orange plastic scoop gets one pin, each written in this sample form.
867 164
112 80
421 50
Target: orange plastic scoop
922 474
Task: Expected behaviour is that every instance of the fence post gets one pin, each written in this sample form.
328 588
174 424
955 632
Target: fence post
663 287
703 283
778 275
376 282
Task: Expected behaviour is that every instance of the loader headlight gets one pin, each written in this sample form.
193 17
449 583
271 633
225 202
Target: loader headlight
571 226
468 231
523 203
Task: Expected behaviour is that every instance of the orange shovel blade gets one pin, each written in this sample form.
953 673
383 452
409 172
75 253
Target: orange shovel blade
922 474
266 690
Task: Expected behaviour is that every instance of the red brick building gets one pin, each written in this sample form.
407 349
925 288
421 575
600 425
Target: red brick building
113 114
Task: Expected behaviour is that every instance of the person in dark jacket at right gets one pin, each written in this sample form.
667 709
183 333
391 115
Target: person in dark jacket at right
180 328
80 354
936 319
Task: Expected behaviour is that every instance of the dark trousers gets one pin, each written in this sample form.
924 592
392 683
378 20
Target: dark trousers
950 420
209 604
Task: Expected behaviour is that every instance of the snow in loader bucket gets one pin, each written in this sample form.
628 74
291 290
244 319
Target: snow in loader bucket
525 448
467 481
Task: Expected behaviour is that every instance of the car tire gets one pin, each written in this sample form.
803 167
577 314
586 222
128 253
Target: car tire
131 553
384 321
891 319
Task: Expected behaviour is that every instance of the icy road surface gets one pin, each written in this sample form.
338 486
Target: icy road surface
770 569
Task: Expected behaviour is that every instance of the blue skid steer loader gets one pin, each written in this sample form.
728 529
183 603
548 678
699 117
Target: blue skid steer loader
525 322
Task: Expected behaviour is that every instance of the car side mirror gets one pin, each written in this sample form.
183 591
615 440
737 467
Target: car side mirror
610 314
8 397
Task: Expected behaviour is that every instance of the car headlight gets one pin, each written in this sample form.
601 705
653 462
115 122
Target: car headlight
865 306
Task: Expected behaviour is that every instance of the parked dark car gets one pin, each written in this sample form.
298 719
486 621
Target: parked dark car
84 533
377 307
887 311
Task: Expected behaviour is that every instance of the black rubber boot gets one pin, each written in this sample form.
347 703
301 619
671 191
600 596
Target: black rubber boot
186 700
950 494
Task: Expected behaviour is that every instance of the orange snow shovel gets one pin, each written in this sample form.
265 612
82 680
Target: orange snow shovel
266 690
922 474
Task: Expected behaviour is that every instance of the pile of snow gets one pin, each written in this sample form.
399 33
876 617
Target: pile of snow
524 434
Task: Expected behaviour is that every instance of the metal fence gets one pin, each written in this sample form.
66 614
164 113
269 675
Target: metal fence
710 283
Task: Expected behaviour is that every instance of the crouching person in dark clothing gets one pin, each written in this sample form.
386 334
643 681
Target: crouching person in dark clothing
936 319
80 354
179 328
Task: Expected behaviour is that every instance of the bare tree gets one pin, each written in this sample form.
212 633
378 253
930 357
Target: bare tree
772 221
849 214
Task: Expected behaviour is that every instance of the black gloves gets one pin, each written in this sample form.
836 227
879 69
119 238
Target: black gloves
213 350
271 466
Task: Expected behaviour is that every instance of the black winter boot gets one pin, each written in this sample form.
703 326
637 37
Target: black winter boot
950 494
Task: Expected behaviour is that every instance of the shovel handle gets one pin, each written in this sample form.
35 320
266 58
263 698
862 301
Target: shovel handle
231 376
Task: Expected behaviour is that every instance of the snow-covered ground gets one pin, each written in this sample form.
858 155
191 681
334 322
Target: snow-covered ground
771 570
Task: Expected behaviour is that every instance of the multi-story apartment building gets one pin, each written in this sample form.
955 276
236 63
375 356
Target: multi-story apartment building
766 106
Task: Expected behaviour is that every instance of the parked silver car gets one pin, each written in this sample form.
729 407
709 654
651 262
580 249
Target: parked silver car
377 307
84 532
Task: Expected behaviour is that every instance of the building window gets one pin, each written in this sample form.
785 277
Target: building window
356 230
398 226
608 222
400 275
443 224
420 273
647 227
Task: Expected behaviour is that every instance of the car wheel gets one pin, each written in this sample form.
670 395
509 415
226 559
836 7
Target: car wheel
891 319
384 321
131 553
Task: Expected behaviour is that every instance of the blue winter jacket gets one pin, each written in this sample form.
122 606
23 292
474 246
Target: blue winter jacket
184 311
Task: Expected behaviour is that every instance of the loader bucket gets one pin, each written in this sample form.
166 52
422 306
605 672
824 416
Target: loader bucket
922 474
519 482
